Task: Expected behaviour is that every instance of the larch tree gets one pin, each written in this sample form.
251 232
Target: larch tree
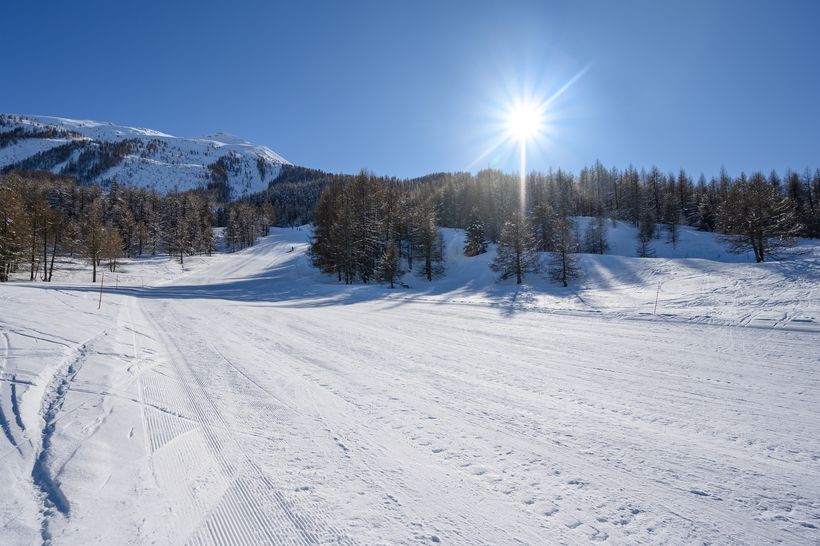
475 240
92 234
430 250
595 238
756 216
647 228
12 225
112 246
517 254
543 219
564 258
389 269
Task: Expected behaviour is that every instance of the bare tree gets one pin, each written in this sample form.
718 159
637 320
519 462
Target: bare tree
756 216
517 253
595 238
564 260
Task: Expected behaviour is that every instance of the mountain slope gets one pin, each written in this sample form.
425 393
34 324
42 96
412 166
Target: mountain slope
105 153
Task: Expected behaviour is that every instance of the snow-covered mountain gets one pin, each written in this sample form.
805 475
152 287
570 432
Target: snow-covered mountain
103 153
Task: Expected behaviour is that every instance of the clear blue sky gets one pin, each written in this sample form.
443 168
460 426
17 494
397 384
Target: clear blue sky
408 88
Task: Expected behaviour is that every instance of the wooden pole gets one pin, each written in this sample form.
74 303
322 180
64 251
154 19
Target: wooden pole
102 280
655 310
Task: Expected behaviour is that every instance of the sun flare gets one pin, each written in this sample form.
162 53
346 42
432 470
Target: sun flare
524 121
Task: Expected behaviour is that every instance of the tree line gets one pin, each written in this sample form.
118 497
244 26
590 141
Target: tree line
756 213
669 200
45 216
362 235
369 228
657 203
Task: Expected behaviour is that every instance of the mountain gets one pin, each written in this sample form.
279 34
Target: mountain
104 153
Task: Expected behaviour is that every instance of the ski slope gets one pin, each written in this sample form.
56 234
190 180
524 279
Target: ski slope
247 399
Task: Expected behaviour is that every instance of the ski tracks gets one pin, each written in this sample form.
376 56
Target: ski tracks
42 475
8 391
219 492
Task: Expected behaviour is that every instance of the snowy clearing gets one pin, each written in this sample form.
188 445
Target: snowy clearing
250 400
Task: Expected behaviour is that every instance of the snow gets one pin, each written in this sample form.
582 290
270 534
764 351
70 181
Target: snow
24 149
161 161
93 129
246 398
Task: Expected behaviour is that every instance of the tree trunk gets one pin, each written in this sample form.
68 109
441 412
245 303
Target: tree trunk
564 268
44 277
33 252
53 254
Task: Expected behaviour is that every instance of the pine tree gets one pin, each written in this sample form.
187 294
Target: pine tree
517 253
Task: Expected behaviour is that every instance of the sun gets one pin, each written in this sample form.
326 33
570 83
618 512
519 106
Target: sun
524 121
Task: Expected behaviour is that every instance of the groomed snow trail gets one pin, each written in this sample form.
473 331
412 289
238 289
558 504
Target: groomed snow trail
251 402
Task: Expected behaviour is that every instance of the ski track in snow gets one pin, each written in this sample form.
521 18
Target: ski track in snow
251 509
8 383
249 401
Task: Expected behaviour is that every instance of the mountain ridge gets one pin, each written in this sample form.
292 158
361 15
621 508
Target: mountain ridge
104 153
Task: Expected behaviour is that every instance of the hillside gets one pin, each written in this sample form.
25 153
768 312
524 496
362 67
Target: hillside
104 153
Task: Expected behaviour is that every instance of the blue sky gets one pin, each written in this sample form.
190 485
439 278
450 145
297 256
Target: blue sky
408 88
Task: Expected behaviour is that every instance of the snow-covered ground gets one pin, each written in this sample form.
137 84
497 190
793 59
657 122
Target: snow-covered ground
248 399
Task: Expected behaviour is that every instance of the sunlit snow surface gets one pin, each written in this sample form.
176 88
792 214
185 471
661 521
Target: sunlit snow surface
250 400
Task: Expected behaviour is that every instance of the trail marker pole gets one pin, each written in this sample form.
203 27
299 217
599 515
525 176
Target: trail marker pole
102 280
658 293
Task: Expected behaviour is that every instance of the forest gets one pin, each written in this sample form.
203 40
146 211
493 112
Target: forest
374 228
370 228
45 216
